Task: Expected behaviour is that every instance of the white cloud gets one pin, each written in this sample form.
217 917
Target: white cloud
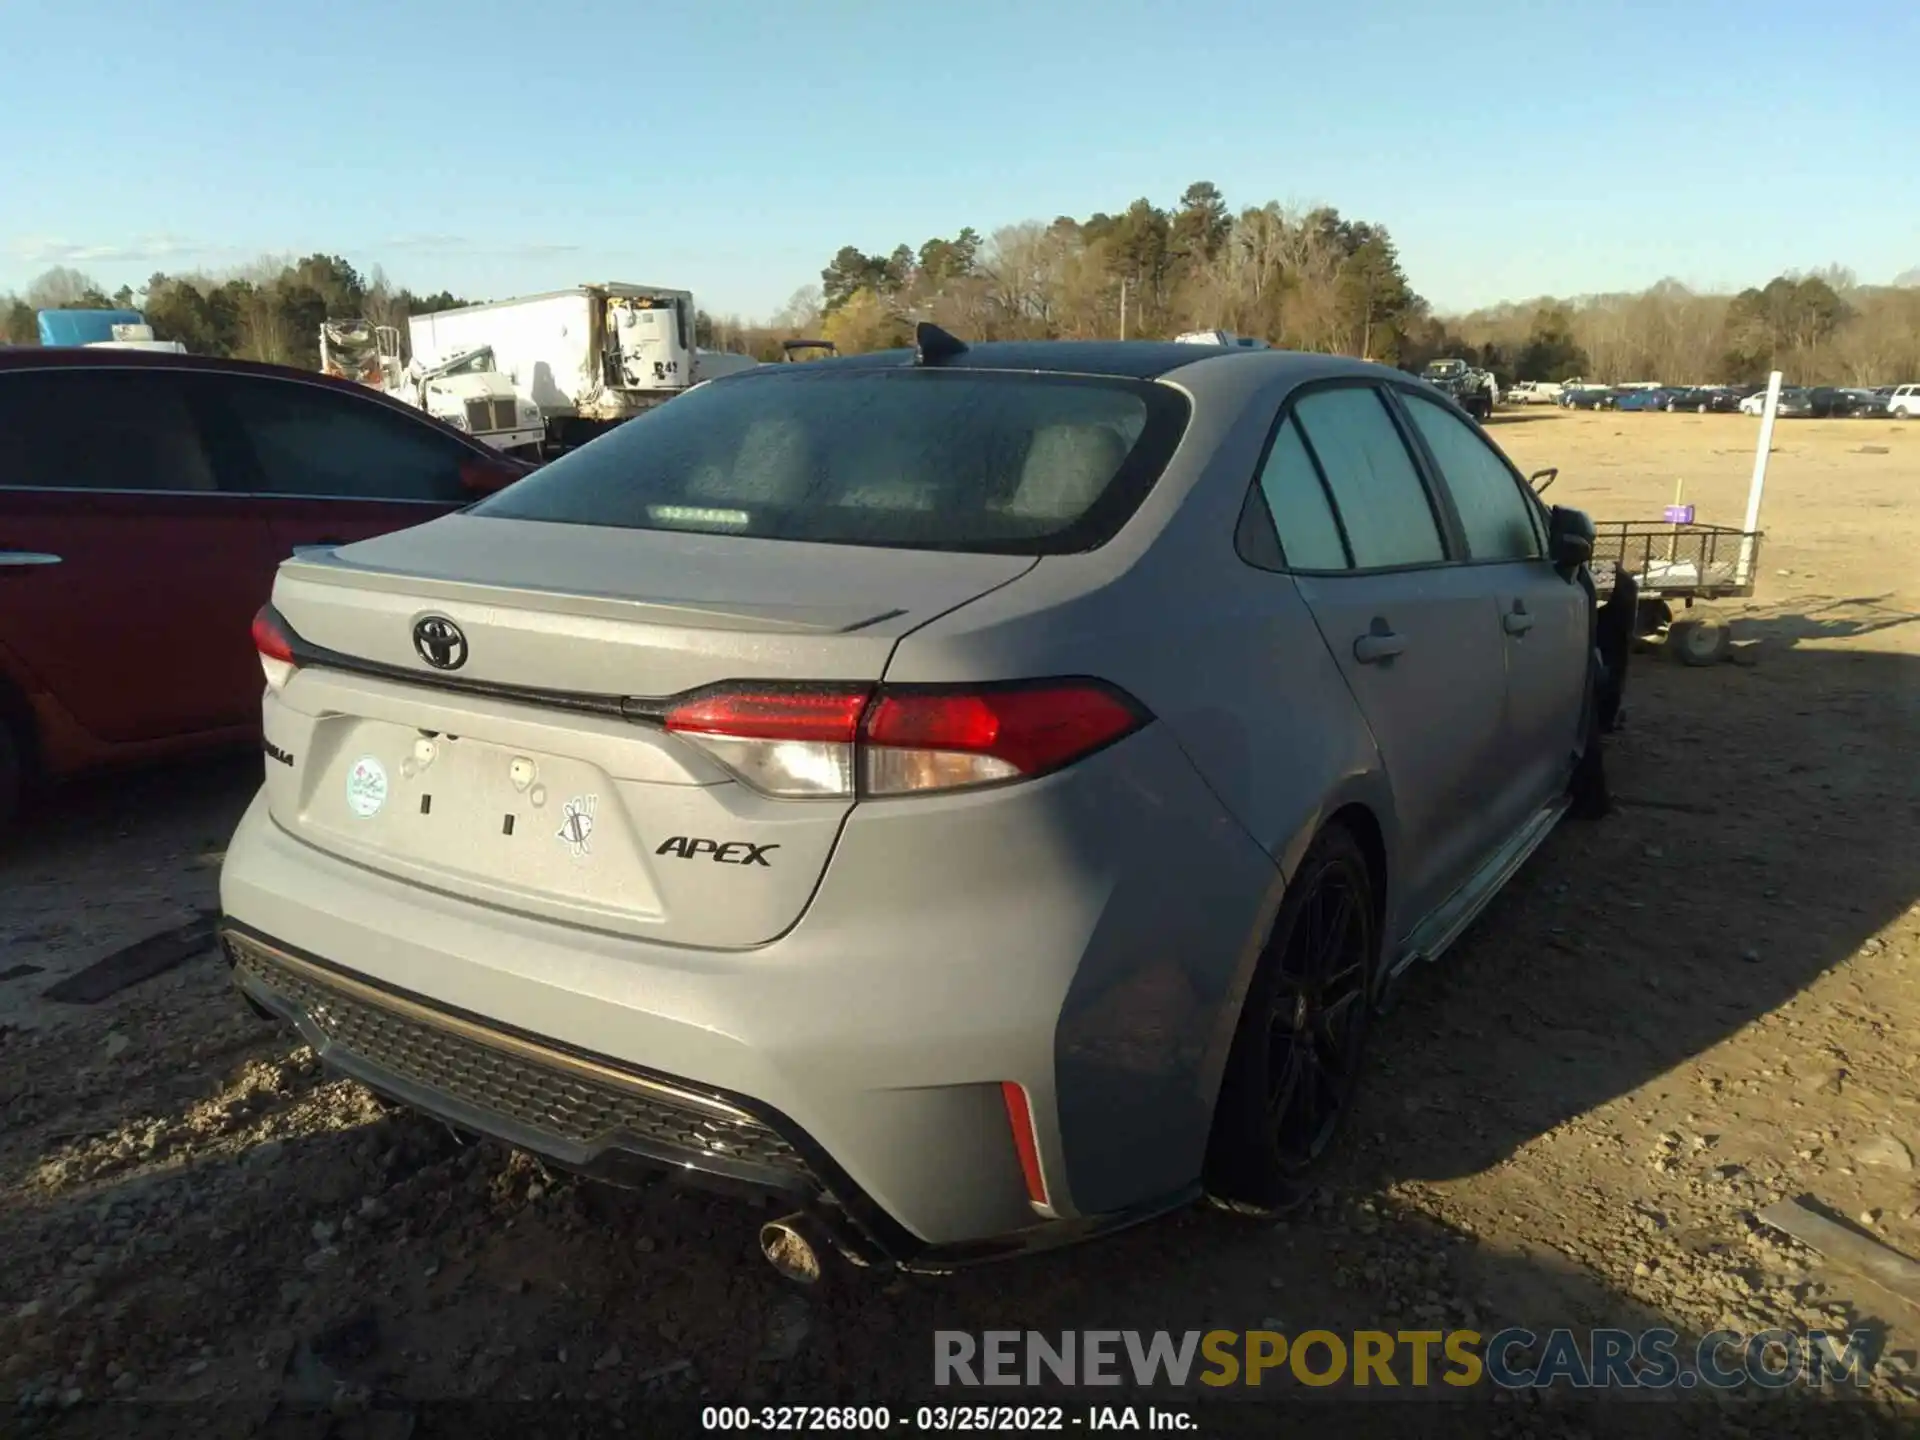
47 250
466 245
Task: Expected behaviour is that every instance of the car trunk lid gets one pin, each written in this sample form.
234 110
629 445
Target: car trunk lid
523 769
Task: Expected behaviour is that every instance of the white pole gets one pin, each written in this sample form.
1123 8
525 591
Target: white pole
1754 492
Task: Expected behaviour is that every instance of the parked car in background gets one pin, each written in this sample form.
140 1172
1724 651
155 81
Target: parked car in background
1658 398
145 499
1864 404
1704 399
1904 401
1534 392
1829 401
1590 397
1795 401
759 696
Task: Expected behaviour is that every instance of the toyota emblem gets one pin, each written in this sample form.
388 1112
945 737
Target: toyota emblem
440 642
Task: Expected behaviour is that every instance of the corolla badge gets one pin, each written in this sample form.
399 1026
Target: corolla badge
440 642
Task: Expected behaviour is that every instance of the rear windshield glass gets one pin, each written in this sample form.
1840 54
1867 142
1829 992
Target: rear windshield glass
948 460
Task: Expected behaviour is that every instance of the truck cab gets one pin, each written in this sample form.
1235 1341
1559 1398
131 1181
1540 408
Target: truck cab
649 342
469 393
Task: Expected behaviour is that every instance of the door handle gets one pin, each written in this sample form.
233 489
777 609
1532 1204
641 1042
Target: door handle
1517 621
25 559
1378 644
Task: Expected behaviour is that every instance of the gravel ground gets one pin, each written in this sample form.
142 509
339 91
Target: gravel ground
1670 1020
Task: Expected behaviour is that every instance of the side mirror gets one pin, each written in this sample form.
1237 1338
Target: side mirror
1569 538
489 477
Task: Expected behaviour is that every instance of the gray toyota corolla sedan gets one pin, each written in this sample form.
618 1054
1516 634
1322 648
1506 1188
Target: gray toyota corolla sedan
980 794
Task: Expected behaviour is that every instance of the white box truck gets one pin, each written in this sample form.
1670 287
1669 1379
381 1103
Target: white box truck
589 357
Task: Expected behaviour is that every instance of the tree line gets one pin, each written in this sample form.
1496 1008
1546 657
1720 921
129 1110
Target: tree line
1304 279
271 310
1823 328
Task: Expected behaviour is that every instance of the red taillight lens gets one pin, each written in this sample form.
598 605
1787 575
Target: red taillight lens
790 742
276 651
930 740
810 716
831 740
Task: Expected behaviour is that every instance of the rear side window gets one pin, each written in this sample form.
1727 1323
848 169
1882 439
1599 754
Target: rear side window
1309 535
307 441
1381 501
100 430
947 460
1495 516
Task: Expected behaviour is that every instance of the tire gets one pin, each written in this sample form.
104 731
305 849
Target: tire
1650 617
1296 1056
1699 642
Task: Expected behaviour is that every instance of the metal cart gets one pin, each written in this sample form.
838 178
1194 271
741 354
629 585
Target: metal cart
1676 559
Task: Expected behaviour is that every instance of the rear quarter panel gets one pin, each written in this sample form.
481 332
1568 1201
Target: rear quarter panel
1232 666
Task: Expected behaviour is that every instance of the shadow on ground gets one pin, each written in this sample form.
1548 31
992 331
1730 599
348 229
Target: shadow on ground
1818 618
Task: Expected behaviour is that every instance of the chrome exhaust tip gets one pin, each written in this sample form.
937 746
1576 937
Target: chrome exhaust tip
797 1246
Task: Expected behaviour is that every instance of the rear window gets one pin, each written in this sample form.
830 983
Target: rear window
929 459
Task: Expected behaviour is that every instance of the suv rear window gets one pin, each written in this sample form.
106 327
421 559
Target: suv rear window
929 459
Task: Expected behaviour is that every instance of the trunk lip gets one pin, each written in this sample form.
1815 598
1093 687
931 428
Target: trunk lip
330 567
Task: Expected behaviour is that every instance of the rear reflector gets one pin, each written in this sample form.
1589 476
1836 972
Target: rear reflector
276 652
1020 1118
833 740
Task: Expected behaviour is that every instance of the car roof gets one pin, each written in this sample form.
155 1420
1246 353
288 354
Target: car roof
81 357
1121 359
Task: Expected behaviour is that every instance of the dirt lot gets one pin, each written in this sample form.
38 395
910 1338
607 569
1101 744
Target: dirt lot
1671 1019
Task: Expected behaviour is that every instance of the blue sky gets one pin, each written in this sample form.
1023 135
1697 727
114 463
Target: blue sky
1513 148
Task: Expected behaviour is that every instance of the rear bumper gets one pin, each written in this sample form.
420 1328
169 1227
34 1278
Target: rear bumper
594 1116
1089 950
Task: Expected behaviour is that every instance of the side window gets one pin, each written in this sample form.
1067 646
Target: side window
1381 501
87 429
307 440
1309 534
1493 512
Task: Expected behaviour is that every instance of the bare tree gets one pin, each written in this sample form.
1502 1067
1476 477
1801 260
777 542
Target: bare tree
61 286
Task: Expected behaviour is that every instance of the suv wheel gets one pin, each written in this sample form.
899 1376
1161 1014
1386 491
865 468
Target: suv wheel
1296 1056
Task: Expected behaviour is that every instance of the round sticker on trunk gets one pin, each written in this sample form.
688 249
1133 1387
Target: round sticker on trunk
366 787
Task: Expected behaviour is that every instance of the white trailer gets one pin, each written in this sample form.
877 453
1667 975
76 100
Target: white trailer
589 357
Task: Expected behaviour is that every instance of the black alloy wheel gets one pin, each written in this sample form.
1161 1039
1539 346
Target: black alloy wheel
1315 1018
1297 1056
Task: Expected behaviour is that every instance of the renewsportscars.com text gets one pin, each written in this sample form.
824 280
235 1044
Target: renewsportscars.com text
1513 1359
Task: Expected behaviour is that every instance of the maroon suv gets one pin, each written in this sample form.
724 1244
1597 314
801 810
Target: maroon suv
145 500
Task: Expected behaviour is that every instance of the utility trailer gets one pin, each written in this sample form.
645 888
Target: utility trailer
1673 559
1678 560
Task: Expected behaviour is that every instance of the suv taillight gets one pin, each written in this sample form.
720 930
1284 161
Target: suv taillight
276 653
832 741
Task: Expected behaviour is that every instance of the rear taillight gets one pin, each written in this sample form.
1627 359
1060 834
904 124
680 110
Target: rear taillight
276 651
797 742
836 741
